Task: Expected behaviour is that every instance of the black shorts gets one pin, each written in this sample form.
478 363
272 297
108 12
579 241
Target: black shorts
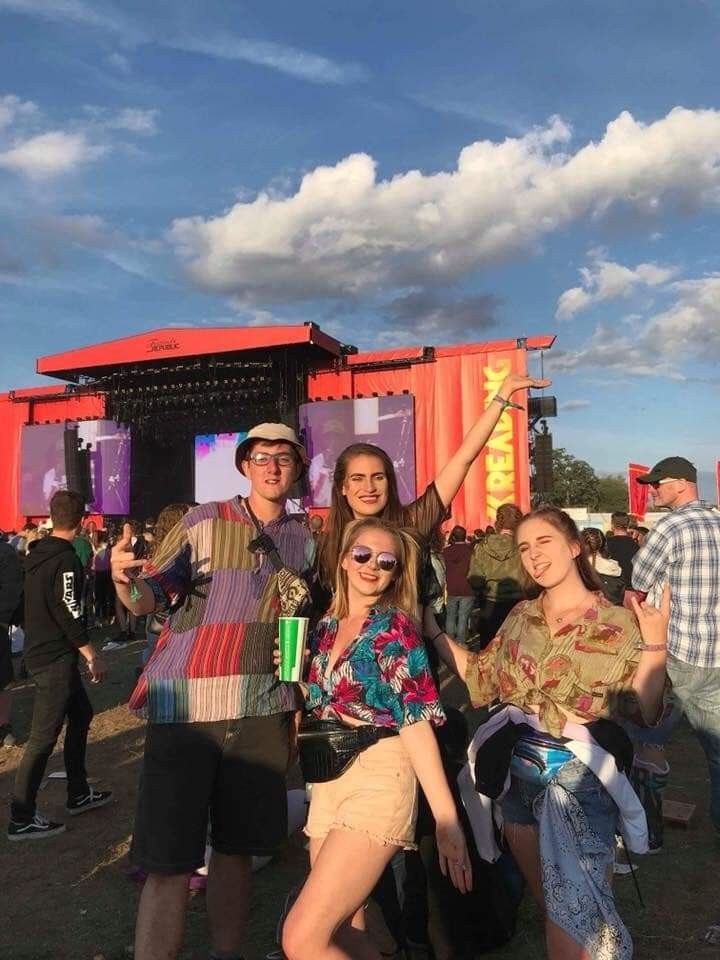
6 664
231 772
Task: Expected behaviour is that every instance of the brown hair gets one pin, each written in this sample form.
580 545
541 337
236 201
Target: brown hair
594 542
168 517
565 525
67 509
458 534
341 515
402 592
508 517
619 520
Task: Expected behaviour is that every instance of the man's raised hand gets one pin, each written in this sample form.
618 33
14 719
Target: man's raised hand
122 558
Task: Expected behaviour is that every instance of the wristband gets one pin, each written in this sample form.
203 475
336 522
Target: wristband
507 403
653 647
438 634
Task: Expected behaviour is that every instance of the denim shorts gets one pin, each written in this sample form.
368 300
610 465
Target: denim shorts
518 804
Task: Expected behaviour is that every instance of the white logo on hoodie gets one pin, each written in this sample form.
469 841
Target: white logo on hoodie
69 599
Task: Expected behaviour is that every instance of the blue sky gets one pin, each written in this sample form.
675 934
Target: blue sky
402 173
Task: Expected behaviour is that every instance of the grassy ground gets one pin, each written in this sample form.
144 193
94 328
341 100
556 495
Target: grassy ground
69 898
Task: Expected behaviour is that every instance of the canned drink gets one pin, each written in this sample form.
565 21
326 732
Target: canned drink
293 639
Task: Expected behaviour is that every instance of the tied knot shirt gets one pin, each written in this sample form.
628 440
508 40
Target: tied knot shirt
586 668
383 676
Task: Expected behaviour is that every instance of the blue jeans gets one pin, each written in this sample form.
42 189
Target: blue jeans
456 617
698 691
657 736
599 807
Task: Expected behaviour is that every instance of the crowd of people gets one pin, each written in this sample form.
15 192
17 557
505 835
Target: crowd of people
568 643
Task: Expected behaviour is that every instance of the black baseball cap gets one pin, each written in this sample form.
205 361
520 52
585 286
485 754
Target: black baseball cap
671 468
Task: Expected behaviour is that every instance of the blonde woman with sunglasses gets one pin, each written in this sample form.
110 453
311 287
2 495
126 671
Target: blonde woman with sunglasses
369 666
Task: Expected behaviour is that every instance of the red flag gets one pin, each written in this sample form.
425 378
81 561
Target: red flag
637 492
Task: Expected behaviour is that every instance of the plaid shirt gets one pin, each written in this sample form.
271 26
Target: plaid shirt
684 550
214 657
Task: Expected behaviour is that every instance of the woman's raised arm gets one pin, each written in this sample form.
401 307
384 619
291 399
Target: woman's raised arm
452 475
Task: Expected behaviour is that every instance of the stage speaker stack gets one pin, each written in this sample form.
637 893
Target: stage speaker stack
543 463
77 464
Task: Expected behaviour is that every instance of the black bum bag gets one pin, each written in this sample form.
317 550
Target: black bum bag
327 747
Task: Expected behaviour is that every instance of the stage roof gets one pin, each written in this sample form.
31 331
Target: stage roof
169 343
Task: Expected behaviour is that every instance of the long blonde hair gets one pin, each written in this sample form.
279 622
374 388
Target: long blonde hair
402 592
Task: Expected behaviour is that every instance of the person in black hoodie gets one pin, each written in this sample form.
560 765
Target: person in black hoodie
10 595
55 637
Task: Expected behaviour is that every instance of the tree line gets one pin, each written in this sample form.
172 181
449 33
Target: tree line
575 484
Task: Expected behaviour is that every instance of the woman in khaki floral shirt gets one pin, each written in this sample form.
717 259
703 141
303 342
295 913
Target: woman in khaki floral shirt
568 657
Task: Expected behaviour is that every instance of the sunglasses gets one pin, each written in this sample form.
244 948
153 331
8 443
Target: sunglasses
385 561
659 483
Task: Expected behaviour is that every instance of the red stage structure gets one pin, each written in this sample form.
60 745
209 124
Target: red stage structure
169 385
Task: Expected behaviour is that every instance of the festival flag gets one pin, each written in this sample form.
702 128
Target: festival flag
637 492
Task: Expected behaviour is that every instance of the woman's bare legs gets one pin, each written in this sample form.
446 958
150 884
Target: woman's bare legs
327 920
523 841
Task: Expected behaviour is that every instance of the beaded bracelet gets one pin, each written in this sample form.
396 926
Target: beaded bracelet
507 403
653 647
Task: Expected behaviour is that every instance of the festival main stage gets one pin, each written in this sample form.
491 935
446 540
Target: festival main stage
153 418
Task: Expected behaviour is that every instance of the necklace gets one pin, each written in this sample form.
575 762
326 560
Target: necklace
567 615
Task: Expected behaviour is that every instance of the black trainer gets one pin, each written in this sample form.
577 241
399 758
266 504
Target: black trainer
35 829
88 801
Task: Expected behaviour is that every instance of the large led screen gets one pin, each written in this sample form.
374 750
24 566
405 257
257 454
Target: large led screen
331 425
43 469
216 477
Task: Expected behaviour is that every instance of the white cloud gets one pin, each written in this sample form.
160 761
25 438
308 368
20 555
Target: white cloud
689 329
424 316
292 61
567 406
135 120
344 231
606 280
85 230
691 326
276 56
13 109
50 154
92 14
120 62
27 149
608 350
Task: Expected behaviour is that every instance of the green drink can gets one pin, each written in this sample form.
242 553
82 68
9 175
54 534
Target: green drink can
293 638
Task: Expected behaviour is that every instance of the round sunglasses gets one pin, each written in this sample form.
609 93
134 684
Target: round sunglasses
385 561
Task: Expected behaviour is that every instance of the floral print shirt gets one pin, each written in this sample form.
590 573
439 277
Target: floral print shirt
586 668
383 677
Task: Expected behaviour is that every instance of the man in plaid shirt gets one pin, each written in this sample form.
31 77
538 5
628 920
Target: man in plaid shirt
684 550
